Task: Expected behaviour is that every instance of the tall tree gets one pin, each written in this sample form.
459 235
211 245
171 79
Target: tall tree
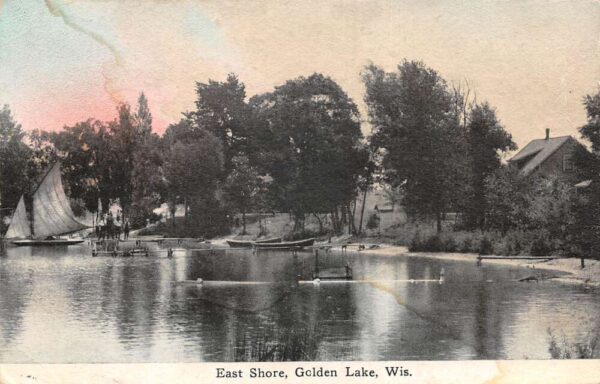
146 177
84 152
123 142
193 165
415 122
221 109
586 226
487 139
311 131
242 187
143 118
14 156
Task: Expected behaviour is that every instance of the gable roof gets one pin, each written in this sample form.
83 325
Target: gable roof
537 151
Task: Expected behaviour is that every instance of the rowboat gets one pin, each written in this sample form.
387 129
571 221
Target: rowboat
250 243
54 242
286 244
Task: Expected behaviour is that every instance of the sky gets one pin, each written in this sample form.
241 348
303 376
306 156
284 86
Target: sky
64 61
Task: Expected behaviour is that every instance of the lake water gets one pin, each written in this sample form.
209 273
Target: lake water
59 305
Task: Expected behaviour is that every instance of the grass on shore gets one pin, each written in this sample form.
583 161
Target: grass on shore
588 348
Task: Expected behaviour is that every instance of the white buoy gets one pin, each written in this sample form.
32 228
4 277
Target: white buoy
199 281
412 281
317 281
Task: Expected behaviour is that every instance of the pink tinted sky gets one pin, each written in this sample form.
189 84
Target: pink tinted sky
64 61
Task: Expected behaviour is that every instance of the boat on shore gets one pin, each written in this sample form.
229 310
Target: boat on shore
53 242
286 244
250 243
45 215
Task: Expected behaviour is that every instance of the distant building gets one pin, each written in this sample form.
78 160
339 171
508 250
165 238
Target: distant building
548 157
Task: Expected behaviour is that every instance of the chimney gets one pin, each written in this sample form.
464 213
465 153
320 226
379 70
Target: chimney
547 133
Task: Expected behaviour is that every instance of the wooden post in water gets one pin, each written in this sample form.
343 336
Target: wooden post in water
316 274
582 263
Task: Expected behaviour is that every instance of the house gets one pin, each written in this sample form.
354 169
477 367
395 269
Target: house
548 157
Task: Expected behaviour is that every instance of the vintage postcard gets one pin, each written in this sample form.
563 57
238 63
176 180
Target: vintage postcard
200 191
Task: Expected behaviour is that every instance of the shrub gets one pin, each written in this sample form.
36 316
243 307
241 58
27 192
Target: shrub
373 222
450 244
303 234
466 245
541 246
563 349
485 246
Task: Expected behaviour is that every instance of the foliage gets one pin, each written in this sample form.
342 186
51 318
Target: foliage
373 222
486 140
586 208
512 243
84 151
147 180
291 344
392 195
192 167
414 122
304 234
14 156
242 187
564 349
507 198
221 110
310 132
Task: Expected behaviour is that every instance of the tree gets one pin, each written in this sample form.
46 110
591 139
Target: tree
538 205
14 156
369 161
507 199
221 109
192 167
310 130
586 225
242 187
392 195
143 119
83 150
415 123
123 142
146 177
486 140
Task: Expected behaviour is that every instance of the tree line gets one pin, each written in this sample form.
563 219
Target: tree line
297 149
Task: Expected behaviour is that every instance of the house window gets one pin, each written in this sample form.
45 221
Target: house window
568 163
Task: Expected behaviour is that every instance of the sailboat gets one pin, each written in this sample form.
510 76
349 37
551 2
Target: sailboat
51 215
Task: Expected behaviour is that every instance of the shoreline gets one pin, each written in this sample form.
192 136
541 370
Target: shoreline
571 267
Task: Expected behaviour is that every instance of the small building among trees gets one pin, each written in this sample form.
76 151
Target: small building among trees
551 157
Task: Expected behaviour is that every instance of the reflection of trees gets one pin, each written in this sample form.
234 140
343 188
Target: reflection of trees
216 316
15 292
138 291
487 324
121 294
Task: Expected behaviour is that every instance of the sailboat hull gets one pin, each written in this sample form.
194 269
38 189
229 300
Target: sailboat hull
31 243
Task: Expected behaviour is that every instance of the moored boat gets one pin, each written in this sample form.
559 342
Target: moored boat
250 243
53 242
287 244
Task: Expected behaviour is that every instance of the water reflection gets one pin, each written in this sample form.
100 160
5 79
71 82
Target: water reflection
59 305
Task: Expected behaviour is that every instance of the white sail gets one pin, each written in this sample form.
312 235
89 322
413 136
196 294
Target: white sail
52 213
19 224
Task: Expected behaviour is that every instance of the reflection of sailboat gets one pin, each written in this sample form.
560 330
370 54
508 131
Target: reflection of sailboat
50 215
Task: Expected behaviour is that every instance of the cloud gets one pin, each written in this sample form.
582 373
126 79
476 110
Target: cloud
58 9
